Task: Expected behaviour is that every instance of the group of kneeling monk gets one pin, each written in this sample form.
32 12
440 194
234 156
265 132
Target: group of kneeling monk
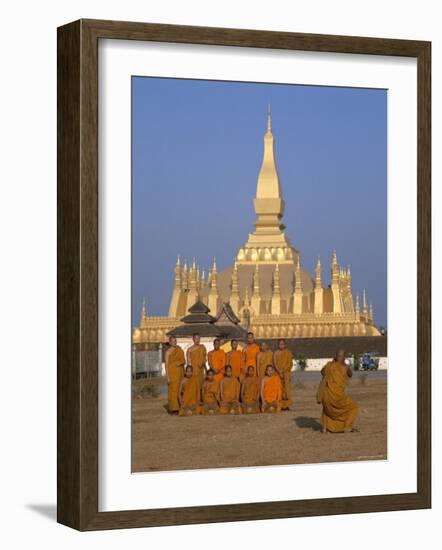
251 380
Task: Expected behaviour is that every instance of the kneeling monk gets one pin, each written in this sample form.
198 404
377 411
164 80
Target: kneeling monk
271 391
210 394
229 390
189 394
250 392
339 412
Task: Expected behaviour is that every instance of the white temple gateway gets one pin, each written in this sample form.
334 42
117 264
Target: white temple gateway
266 287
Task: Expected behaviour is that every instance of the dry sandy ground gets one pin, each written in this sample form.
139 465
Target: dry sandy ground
164 442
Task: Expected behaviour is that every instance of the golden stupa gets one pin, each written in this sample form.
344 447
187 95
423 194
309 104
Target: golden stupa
266 287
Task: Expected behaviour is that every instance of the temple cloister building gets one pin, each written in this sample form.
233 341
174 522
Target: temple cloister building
267 287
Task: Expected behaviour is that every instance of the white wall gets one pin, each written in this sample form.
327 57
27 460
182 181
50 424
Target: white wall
28 277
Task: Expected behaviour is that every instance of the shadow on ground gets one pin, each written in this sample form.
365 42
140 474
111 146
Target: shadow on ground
47 510
309 423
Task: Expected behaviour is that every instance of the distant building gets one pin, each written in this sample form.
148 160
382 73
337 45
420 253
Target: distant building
267 289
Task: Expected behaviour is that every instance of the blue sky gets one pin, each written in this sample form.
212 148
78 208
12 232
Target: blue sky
197 148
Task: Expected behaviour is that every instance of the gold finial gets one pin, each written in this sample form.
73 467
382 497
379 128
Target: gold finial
335 258
203 279
318 263
214 265
357 303
269 119
364 300
178 261
371 312
143 309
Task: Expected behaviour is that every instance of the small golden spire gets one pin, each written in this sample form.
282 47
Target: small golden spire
276 286
357 304
203 279
246 297
235 288
143 310
256 280
269 119
318 283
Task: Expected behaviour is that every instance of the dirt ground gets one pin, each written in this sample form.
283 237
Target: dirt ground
164 442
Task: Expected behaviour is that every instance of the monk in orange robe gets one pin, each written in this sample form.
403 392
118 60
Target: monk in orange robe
250 353
229 391
197 358
263 359
271 391
234 359
283 362
189 394
217 360
210 394
174 361
339 412
250 392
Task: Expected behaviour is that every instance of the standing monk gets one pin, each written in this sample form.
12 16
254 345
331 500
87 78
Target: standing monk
249 354
189 394
264 358
250 392
217 360
229 390
234 359
197 357
283 361
271 391
339 412
174 360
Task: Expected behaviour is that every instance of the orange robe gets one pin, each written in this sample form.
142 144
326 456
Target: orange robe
263 359
234 359
338 411
198 358
249 357
283 362
250 394
230 388
174 362
210 397
272 393
217 360
190 396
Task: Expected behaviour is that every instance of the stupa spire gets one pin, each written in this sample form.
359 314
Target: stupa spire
269 206
143 310
318 281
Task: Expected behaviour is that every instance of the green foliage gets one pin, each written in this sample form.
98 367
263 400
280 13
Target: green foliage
302 360
356 361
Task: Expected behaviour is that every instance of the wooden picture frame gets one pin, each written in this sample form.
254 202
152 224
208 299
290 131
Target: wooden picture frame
77 224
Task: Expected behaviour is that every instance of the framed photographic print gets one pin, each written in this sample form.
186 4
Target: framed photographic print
243 274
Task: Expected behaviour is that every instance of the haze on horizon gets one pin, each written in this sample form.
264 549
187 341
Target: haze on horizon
196 152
